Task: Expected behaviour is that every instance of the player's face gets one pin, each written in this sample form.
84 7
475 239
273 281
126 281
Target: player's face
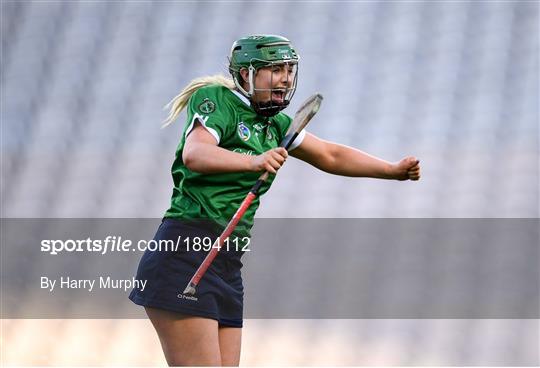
279 78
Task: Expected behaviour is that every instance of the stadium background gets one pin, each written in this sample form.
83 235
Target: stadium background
454 83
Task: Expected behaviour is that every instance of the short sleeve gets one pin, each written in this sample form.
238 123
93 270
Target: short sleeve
209 108
284 123
298 140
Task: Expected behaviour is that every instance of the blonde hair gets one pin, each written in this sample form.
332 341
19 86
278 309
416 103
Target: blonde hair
179 102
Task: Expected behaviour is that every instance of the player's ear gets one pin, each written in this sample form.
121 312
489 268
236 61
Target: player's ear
244 73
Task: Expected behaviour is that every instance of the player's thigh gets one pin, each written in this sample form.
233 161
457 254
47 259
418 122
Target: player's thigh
230 341
186 340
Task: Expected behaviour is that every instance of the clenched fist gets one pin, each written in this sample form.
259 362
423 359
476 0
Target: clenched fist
406 169
269 161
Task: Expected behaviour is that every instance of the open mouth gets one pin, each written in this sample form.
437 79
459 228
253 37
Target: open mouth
278 96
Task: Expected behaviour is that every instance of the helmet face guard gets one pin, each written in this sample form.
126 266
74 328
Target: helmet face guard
284 94
256 52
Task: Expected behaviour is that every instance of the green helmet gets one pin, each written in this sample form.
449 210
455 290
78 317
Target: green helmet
259 51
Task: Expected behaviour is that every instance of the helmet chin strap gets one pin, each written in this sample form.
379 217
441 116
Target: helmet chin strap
251 81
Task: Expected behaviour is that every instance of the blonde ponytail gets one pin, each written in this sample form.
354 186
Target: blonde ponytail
178 103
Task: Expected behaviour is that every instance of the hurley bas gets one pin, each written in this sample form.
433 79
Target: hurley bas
89 284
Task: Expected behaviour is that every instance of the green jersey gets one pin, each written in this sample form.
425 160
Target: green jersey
228 116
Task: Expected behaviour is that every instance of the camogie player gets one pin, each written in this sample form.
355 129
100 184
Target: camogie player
234 127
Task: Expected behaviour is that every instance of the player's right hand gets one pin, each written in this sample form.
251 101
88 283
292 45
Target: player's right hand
269 161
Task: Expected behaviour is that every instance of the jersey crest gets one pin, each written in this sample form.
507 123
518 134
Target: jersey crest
243 132
207 106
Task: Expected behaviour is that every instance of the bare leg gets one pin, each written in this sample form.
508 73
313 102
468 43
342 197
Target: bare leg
186 340
230 339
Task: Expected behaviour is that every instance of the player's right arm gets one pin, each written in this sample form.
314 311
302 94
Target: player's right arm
202 154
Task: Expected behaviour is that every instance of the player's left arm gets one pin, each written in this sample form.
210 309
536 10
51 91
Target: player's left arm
343 160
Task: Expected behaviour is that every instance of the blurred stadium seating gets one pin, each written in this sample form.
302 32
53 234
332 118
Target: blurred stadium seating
454 83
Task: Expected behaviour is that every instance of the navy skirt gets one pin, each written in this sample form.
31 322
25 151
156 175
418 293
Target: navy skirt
220 293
